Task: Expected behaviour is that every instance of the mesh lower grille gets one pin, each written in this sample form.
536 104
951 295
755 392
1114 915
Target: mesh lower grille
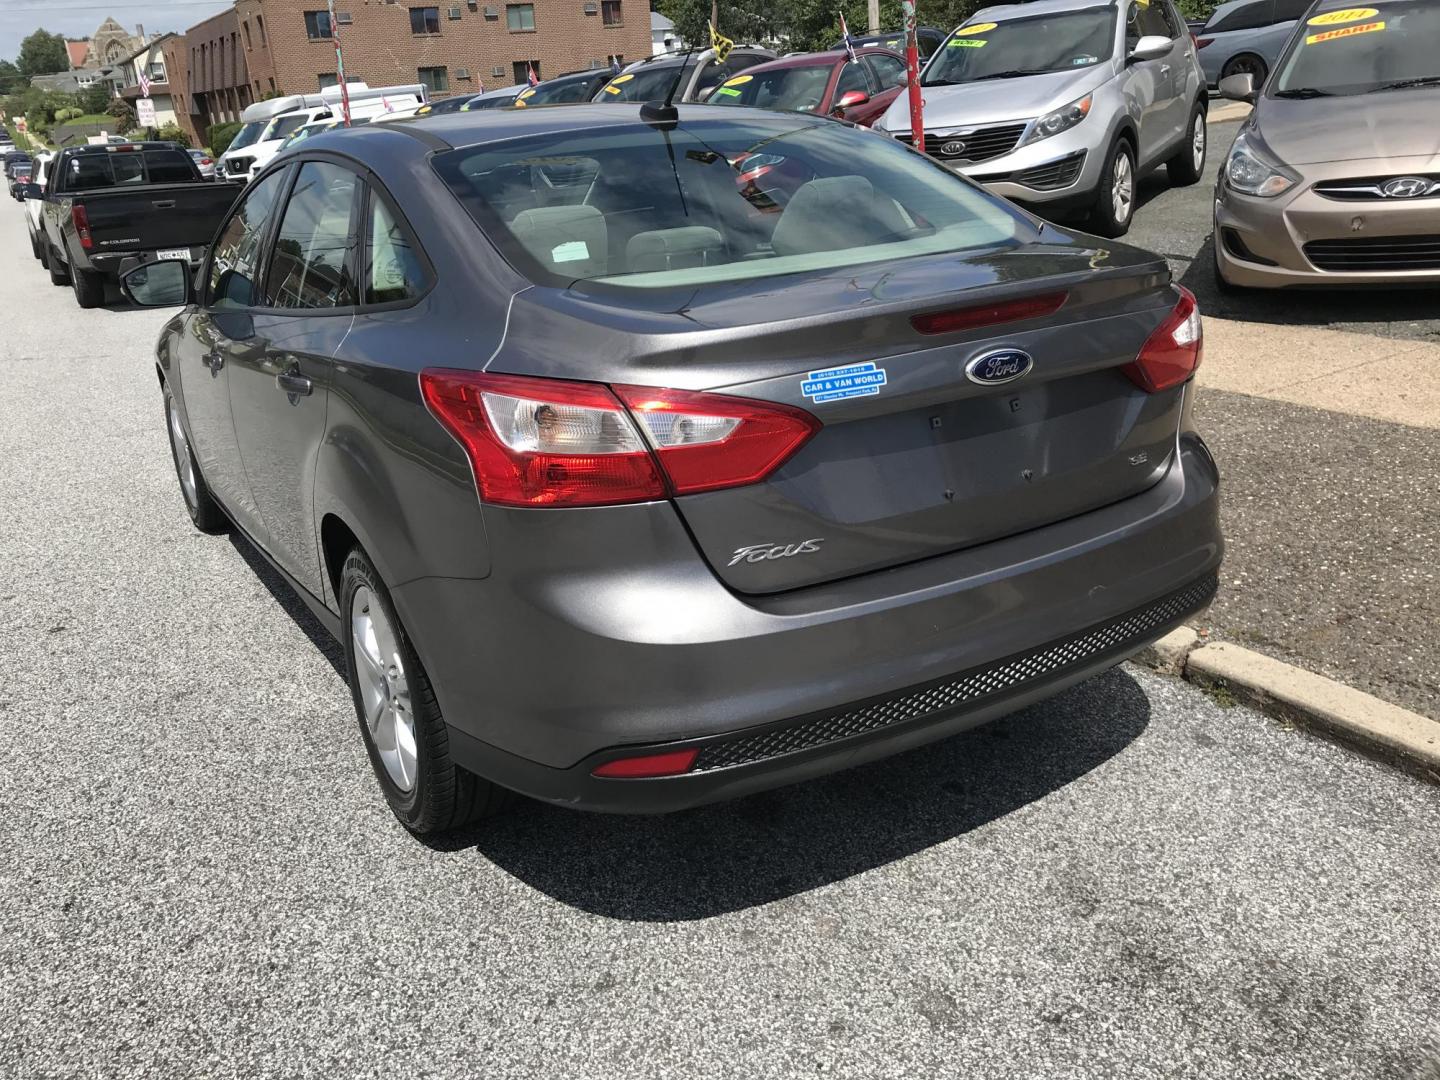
1376 253
1056 174
994 680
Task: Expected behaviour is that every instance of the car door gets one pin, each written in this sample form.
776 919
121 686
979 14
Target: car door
1182 92
1149 84
851 78
889 75
280 382
219 333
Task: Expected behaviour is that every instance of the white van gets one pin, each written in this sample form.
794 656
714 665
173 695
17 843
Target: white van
267 124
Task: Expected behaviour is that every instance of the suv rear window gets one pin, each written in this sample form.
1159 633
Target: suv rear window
717 200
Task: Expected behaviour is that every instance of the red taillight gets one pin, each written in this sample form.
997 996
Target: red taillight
970 318
709 441
1172 353
1201 42
82 226
548 442
671 763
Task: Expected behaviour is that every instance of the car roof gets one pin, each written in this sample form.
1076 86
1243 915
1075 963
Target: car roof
454 130
1036 7
818 59
153 144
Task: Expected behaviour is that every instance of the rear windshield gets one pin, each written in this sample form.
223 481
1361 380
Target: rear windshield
795 89
1061 41
717 200
122 168
1386 47
248 134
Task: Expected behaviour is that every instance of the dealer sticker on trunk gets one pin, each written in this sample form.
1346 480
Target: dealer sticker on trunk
835 384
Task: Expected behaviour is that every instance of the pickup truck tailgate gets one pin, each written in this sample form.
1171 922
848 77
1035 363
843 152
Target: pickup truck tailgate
156 215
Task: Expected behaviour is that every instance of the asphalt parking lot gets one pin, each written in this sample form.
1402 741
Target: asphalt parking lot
197 876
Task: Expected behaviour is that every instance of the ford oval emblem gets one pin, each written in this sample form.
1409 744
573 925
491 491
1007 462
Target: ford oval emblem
1000 366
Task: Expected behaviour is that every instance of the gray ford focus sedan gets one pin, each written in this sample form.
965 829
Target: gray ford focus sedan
639 463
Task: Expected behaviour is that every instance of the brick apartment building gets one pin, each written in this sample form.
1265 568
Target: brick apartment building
261 48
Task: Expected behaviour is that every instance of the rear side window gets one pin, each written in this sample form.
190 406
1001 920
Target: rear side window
1247 16
888 70
168 166
1145 20
744 199
395 272
235 260
1288 10
314 261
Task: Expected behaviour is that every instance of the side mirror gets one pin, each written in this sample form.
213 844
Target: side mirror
850 99
30 191
1238 87
1150 47
157 284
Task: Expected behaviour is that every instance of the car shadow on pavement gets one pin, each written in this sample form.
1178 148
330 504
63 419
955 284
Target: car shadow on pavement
1306 307
288 599
777 844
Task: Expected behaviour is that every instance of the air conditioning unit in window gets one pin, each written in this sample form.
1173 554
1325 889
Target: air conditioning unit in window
473 5
497 71
454 13
462 73
592 9
343 18
492 12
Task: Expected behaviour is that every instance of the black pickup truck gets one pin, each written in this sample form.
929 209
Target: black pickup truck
126 203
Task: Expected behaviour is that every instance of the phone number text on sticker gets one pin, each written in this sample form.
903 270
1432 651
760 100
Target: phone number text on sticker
1344 32
836 384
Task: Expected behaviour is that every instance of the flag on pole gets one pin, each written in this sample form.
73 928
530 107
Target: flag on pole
144 85
845 33
720 43
530 76
614 64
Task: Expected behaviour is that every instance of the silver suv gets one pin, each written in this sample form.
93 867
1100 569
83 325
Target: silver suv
1062 104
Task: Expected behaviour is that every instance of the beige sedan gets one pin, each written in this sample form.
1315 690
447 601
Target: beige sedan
1335 178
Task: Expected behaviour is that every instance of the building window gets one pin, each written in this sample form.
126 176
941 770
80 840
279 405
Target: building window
610 13
272 86
260 26
522 75
424 20
157 72
249 43
435 79
328 79
520 16
317 25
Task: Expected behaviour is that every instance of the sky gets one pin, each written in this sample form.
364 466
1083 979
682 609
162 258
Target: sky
79 18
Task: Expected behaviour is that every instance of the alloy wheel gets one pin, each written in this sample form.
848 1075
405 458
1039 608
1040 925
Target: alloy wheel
1197 142
384 688
1122 189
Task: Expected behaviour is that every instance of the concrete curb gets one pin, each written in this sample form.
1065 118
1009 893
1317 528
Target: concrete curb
1300 697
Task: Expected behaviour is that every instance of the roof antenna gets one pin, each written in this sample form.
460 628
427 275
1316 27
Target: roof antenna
662 114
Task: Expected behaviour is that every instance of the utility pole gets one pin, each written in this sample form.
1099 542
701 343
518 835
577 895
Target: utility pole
874 16
912 73
340 66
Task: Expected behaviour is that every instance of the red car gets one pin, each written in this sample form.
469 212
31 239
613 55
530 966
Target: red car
828 83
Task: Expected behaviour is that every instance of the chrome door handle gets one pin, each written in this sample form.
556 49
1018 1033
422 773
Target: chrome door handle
1164 69
292 382
214 361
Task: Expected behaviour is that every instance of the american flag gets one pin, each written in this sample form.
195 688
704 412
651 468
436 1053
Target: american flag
144 85
530 76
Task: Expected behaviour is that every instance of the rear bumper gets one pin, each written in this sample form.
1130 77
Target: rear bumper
543 677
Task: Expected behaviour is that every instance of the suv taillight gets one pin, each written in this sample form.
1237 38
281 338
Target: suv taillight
82 226
549 442
1171 354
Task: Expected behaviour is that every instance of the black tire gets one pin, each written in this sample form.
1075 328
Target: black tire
43 254
1184 170
443 796
1246 64
34 244
1104 221
204 511
89 288
59 272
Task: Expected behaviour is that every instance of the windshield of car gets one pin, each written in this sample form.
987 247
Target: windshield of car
248 134
717 200
560 92
1388 46
282 126
485 101
792 89
648 84
1061 41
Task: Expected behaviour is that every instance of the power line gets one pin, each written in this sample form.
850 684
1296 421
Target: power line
118 5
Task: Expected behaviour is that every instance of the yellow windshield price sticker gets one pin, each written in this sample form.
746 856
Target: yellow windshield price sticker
1337 18
1344 32
978 28
739 80
967 43
527 94
612 89
620 79
726 91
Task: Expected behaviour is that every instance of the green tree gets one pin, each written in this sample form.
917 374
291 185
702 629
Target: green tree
43 53
123 113
173 133
94 99
11 81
